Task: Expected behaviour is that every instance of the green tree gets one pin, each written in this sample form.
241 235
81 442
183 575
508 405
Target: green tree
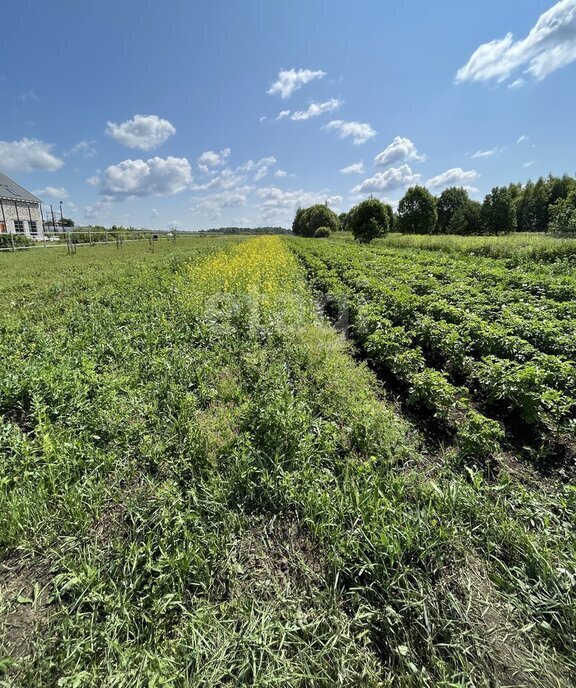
452 200
369 220
498 211
522 205
539 207
563 215
559 187
322 232
343 219
298 222
417 211
391 217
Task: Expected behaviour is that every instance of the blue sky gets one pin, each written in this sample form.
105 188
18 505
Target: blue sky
148 114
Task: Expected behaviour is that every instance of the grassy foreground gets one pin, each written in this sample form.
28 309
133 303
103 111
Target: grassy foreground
199 486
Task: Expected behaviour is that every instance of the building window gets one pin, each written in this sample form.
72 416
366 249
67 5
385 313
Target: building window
18 225
33 227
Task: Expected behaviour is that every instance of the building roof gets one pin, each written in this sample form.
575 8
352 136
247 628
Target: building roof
14 192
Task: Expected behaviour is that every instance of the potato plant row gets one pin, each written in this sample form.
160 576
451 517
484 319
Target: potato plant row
537 307
450 360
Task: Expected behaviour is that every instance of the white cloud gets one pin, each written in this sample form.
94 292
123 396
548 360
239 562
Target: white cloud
227 179
487 153
317 109
522 139
550 45
290 80
153 177
517 83
28 155
259 167
84 148
52 192
359 131
280 206
400 150
154 212
283 114
392 178
260 173
453 177
215 203
263 118
29 97
355 168
142 131
280 173
529 163
210 159
99 211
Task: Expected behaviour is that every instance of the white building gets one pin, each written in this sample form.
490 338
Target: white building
20 211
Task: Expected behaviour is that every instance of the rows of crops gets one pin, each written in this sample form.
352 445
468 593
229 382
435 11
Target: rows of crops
487 349
200 485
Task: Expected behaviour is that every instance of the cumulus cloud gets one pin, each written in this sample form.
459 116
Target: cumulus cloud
392 178
51 192
400 150
211 159
290 80
280 173
153 177
354 168
28 155
522 139
316 109
360 132
283 114
145 132
455 176
550 45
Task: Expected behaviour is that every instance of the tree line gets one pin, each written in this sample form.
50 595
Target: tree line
547 205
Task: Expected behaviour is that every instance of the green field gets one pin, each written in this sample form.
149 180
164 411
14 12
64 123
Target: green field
203 482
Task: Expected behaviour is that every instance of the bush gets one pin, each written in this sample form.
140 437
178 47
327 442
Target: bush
322 232
308 220
20 240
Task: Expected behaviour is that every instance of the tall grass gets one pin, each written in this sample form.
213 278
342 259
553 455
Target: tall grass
518 247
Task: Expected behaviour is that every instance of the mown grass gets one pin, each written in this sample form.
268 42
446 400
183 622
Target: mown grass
199 486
